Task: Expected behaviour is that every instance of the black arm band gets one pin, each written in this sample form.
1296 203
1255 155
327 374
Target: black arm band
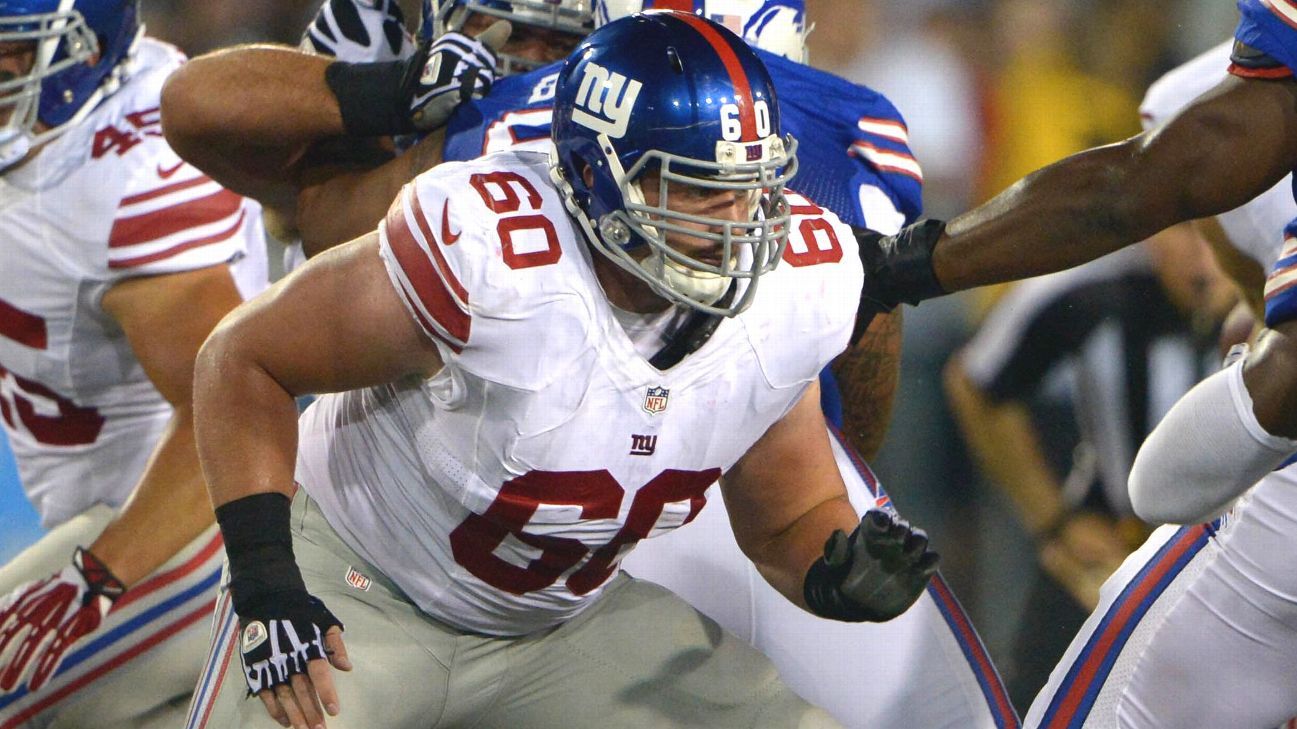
371 97
822 596
259 544
909 261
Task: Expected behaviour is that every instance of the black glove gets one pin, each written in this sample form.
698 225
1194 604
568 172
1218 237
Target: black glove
458 67
279 635
898 269
873 575
420 92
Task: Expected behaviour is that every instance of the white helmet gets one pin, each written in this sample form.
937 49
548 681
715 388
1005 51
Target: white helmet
777 26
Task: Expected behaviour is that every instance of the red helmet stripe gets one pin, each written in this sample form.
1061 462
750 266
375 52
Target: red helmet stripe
684 6
742 89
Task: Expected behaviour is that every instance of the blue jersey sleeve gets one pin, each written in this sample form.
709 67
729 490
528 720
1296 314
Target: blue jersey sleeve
1265 41
854 147
515 115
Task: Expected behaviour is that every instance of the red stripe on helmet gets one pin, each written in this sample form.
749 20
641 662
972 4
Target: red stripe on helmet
684 6
739 77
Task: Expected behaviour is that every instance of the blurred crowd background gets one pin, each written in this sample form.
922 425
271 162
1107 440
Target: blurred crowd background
991 90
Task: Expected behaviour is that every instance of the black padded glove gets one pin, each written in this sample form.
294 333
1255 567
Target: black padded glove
873 575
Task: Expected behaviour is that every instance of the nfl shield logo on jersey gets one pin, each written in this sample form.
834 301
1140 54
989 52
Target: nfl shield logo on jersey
357 580
656 400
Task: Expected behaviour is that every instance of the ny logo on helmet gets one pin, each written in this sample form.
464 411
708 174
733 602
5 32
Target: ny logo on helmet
605 100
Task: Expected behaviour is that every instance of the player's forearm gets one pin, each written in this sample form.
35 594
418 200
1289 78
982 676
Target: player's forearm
246 114
170 505
245 422
1004 443
336 207
1061 216
867 376
784 558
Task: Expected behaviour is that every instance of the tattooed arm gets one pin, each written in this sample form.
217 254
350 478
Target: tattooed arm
867 375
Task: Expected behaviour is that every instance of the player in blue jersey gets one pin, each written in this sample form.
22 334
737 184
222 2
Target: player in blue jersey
859 167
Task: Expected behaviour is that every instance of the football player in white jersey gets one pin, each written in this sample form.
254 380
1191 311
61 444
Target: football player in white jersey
935 638
118 259
557 359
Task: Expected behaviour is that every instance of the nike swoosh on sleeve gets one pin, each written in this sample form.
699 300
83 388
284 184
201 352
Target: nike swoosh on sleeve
447 238
166 173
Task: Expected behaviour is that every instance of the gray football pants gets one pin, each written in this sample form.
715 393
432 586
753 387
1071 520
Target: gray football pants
639 657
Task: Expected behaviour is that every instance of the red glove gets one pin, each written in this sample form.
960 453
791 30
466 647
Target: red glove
43 619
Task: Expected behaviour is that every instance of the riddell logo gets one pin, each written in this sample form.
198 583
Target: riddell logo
605 100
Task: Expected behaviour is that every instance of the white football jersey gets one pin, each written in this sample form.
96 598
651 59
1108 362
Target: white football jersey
1256 227
106 201
503 492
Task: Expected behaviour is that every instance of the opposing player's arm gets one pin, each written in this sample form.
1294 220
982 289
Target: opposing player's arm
170 501
1244 132
337 324
337 207
248 116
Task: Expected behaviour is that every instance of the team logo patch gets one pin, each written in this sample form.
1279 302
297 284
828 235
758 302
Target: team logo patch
656 400
254 635
357 580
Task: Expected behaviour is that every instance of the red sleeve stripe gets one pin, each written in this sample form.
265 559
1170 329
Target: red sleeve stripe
886 128
1266 73
742 88
175 250
446 273
165 190
22 327
424 288
150 227
1286 10
888 161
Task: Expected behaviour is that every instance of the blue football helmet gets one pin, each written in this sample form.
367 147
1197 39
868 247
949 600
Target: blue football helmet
567 16
678 95
80 50
777 26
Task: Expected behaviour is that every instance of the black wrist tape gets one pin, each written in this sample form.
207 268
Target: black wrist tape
371 97
259 544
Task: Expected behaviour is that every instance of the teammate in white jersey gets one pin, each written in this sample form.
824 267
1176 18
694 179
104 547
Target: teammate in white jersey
573 352
119 259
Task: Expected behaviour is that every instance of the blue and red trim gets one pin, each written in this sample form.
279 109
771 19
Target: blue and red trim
979 660
1076 695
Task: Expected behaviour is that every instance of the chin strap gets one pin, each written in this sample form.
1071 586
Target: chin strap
691 335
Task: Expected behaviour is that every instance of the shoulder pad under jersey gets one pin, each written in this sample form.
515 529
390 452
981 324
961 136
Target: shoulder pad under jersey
484 256
807 304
